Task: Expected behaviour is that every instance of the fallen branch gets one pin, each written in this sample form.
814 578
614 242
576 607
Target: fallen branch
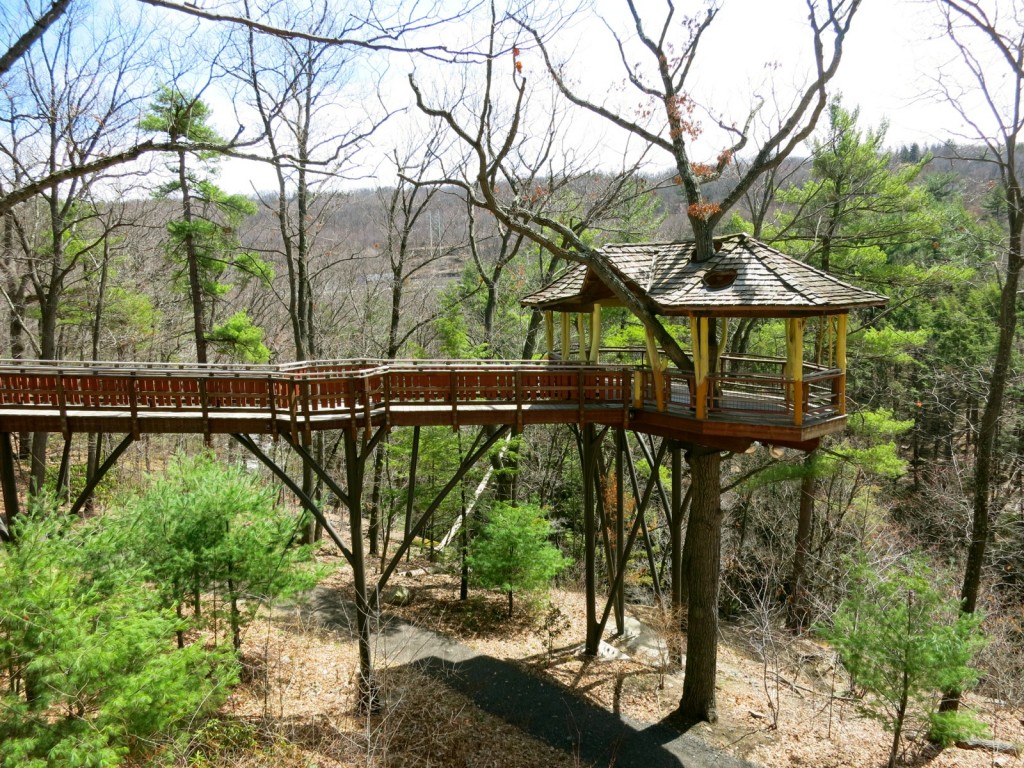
1005 747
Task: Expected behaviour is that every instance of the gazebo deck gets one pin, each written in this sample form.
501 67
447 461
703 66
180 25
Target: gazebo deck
297 399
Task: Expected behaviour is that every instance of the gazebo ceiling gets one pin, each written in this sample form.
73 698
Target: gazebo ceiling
745 277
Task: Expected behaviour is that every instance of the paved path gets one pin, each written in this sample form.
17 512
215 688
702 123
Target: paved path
539 708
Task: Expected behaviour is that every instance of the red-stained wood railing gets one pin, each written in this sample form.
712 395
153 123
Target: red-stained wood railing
363 389
358 389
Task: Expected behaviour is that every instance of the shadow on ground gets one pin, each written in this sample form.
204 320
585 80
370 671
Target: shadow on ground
542 709
550 713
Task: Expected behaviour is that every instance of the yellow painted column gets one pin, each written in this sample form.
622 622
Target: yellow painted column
703 357
656 370
841 362
565 336
581 340
549 332
795 364
595 334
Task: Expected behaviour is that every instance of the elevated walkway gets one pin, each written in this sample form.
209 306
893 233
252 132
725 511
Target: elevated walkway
749 402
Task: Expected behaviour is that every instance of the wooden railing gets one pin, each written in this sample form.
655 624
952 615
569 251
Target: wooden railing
307 389
819 394
363 388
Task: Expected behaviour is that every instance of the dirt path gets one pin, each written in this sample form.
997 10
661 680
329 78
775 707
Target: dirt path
539 708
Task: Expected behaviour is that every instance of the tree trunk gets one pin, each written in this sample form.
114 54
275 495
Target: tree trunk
704 533
675 522
797 611
192 260
990 420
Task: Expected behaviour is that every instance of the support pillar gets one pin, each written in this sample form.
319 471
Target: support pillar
590 538
355 463
565 335
595 334
8 481
410 494
581 337
620 530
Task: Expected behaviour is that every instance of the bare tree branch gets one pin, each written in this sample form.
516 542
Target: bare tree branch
382 40
23 43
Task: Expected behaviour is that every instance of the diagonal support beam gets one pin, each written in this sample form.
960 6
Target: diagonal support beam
109 462
321 473
9 482
642 511
654 464
421 524
307 503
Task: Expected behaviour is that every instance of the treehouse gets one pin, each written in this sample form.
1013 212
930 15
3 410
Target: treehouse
727 397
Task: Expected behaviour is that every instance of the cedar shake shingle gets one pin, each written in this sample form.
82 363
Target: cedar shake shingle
748 278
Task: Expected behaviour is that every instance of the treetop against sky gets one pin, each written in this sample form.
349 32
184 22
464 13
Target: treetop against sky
754 52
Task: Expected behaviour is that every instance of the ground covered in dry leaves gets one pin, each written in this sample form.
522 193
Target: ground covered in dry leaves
296 704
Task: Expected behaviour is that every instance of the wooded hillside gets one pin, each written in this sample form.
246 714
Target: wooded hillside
249 182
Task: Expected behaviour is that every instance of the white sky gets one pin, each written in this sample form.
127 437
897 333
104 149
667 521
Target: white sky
892 55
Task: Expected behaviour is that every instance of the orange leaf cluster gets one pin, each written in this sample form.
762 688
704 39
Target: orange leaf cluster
702 169
680 111
724 158
519 67
703 210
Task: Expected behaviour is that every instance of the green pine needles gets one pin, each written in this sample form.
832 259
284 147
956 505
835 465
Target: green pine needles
90 672
514 553
902 642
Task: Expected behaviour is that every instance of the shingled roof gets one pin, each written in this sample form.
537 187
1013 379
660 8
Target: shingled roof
745 277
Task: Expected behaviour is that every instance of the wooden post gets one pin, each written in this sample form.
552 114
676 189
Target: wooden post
699 336
595 334
565 336
354 466
549 333
581 337
590 538
620 530
841 361
655 360
409 495
795 363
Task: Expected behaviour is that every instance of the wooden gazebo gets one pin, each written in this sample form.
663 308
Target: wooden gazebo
791 399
